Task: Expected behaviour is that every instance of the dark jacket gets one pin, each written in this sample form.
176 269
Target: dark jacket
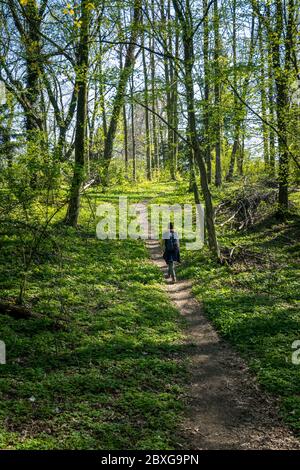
171 254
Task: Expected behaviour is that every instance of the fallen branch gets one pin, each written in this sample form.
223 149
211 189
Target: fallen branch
15 311
242 209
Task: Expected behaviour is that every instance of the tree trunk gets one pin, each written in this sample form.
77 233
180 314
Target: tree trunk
168 86
271 104
240 111
153 100
133 131
206 92
235 147
174 100
147 120
263 96
33 58
121 89
125 134
125 139
217 93
187 39
81 118
281 82
102 94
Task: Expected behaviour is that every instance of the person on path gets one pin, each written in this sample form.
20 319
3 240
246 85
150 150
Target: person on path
171 250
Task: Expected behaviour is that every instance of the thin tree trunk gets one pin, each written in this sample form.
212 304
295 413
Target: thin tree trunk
81 119
162 145
236 134
121 89
187 39
154 123
33 58
241 151
6 123
263 95
153 100
217 93
271 101
147 120
28 25
206 91
281 82
125 134
175 101
125 139
133 131
102 93
241 111
167 85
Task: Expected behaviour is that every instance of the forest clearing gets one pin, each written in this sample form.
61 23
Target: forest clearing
108 342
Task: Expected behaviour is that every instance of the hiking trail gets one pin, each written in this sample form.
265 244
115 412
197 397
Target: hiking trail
226 408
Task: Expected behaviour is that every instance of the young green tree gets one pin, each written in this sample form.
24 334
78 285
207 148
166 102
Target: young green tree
185 17
81 117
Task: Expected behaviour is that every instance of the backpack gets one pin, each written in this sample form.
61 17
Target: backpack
171 244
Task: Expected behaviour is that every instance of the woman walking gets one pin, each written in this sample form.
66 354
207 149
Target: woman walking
171 250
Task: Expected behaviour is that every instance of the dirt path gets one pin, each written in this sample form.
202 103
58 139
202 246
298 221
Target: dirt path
226 408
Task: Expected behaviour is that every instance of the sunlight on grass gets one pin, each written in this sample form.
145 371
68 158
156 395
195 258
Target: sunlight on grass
98 367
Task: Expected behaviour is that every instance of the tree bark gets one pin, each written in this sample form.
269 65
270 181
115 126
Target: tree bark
81 119
147 120
217 93
185 19
271 102
167 71
121 89
133 131
263 98
207 136
153 100
124 115
281 83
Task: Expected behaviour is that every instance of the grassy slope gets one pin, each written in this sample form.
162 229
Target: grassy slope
255 303
101 367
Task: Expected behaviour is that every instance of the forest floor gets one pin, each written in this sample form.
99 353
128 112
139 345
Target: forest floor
113 356
225 406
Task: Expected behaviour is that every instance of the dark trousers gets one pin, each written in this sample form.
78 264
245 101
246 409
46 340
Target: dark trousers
171 270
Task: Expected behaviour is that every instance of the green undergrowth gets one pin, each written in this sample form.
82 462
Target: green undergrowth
254 303
101 364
